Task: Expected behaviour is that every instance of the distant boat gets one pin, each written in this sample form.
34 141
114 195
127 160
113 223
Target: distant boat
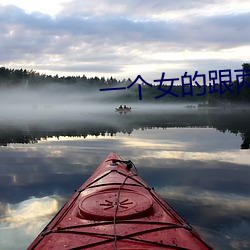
125 110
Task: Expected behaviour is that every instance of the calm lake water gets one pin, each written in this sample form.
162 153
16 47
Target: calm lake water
198 160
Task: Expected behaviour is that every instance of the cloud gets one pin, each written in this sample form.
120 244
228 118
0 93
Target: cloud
140 10
93 37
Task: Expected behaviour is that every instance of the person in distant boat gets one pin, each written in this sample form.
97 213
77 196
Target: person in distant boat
120 107
125 106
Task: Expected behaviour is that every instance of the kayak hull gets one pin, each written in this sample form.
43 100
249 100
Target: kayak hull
116 209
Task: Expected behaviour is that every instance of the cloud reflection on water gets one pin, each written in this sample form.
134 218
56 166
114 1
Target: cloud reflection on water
208 184
21 222
28 211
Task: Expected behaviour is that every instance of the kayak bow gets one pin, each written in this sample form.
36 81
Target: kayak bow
116 209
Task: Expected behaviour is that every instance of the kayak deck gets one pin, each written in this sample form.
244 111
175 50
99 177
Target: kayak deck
116 209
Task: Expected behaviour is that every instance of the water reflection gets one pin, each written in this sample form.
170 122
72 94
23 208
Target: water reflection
199 169
21 221
110 123
31 210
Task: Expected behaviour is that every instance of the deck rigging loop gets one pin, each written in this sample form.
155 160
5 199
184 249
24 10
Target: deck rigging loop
128 164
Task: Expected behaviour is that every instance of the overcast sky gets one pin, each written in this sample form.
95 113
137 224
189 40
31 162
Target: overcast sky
124 38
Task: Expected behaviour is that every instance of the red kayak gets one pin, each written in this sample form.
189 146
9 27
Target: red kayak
116 209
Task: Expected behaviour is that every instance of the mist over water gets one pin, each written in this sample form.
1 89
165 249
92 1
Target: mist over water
49 103
54 108
58 103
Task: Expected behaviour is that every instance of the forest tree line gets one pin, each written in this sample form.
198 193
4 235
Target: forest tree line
231 93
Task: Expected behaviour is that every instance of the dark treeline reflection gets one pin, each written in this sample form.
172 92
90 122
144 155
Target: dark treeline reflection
236 121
